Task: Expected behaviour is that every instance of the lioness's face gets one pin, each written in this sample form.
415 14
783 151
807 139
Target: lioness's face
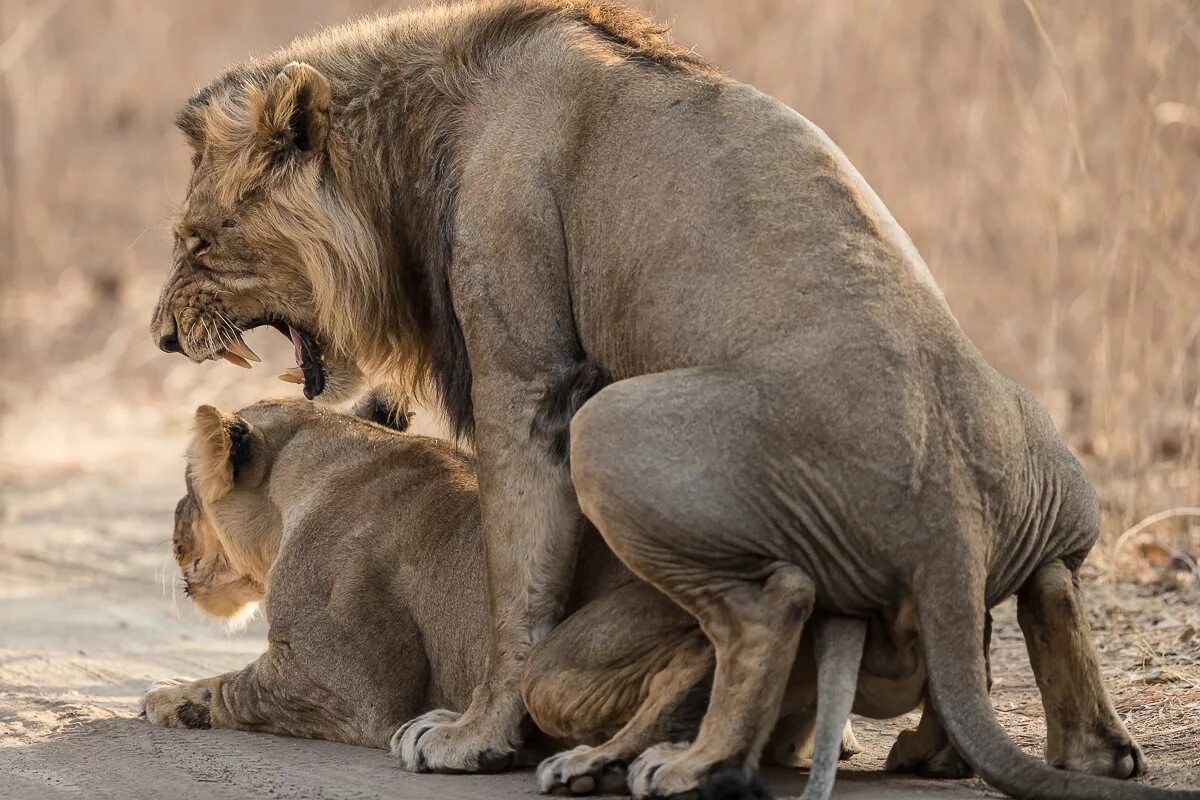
208 577
260 233
227 528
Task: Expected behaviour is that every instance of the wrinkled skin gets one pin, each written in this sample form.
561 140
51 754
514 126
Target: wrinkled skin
791 419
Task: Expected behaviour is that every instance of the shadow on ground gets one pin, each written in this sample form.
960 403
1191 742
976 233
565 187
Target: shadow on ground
133 760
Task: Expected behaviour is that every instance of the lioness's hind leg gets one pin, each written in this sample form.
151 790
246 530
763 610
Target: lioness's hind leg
1083 732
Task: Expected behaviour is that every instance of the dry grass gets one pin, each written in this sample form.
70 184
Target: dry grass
1045 157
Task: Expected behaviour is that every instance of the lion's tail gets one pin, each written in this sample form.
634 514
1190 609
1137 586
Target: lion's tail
951 629
839 646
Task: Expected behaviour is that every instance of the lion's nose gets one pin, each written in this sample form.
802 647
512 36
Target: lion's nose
169 343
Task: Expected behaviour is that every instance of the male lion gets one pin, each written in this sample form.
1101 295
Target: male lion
530 203
378 612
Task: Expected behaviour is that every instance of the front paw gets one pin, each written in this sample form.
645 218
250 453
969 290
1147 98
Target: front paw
670 770
178 704
583 770
438 741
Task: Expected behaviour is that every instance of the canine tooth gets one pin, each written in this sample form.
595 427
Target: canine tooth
239 347
293 375
235 359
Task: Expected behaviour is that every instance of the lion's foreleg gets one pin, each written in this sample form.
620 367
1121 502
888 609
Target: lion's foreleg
511 297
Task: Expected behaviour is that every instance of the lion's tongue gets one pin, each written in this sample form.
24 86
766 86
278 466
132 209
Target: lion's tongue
295 334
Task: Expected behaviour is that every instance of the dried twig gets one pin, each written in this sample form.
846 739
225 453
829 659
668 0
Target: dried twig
1154 519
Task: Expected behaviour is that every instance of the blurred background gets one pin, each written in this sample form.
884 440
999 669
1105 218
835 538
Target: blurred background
1043 154
1045 157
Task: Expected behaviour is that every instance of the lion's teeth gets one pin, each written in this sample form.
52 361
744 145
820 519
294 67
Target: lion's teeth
239 347
293 375
235 359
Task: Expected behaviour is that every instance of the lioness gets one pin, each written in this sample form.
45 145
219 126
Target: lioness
377 611
529 203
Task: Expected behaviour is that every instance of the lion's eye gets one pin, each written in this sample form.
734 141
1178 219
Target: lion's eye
229 223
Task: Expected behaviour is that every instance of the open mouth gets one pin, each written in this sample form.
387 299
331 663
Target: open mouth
309 370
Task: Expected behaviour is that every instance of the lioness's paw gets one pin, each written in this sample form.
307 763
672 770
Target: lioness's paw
437 741
583 770
911 753
178 704
1111 754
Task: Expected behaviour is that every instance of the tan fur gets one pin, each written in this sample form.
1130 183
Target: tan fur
626 670
628 663
517 202
365 311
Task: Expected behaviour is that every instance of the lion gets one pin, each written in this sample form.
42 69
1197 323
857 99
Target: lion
357 648
658 298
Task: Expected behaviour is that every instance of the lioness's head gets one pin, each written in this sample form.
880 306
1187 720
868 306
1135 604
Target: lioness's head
269 232
229 524
225 540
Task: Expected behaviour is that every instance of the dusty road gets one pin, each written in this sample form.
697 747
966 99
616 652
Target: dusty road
89 616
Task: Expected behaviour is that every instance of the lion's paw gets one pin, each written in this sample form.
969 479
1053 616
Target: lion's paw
177 703
584 770
437 741
1109 753
668 770
911 753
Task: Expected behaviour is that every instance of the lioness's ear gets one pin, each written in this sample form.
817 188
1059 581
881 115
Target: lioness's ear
224 446
295 110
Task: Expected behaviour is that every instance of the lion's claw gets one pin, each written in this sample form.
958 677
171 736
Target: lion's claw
665 770
437 742
583 770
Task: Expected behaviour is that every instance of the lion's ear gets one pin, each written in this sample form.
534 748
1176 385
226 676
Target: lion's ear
224 446
295 112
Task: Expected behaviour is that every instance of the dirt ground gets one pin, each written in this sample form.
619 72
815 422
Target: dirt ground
89 615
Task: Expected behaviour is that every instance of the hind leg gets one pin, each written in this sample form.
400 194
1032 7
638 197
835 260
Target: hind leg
791 743
659 464
631 668
926 750
1083 732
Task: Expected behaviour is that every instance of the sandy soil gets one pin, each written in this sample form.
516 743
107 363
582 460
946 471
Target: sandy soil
89 615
